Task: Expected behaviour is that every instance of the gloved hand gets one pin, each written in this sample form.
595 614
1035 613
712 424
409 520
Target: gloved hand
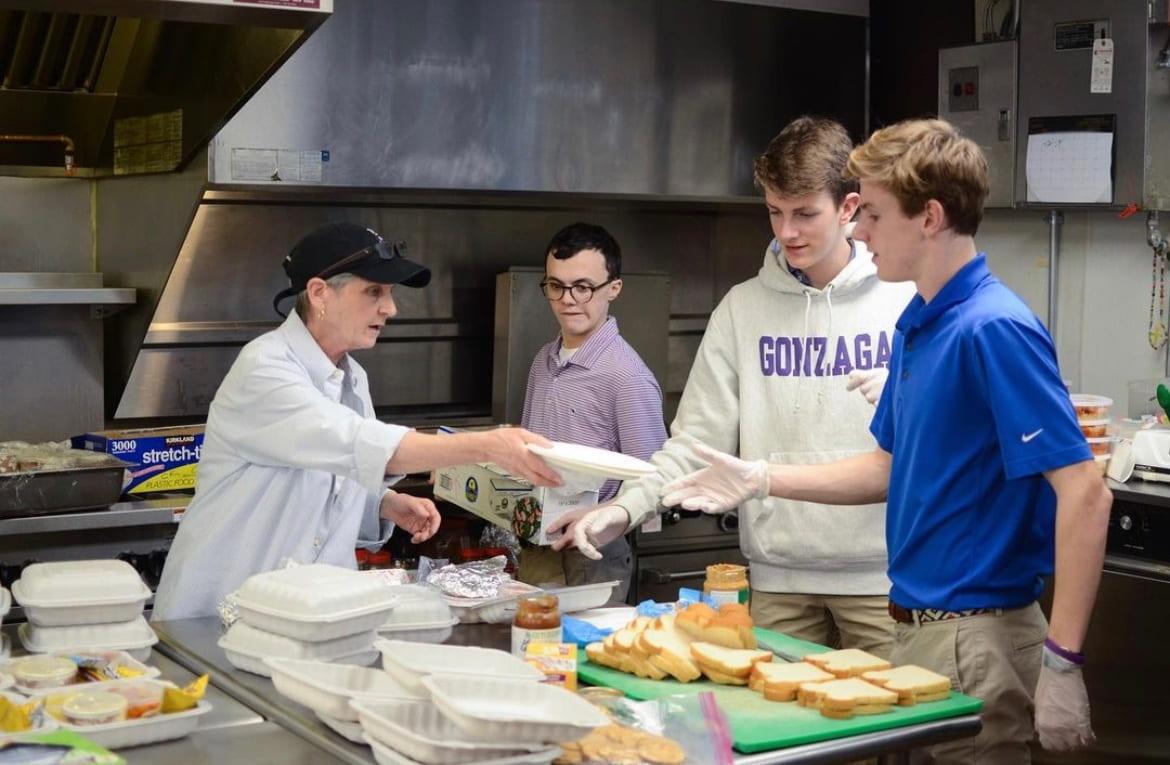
1062 705
575 483
590 530
723 485
870 381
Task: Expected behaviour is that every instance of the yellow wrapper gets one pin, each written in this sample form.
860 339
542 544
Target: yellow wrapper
558 662
180 699
14 717
126 673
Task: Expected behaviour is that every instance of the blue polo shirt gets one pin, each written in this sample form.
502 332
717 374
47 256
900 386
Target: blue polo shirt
974 412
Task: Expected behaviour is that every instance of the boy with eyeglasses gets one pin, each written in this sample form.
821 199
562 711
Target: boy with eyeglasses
589 387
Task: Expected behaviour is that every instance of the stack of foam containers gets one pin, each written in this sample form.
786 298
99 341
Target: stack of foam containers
316 612
88 604
421 616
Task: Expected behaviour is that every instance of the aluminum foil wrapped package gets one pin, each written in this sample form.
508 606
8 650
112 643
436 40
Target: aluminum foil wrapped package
496 536
228 611
477 579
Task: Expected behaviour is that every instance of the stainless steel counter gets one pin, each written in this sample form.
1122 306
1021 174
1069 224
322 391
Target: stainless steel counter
192 643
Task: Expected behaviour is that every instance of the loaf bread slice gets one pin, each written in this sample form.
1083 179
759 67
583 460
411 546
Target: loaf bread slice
723 678
597 654
735 662
730 627
779 681
912 683
848 662
694 618
669 649
844 698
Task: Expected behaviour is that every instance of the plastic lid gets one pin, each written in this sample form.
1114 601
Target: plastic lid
1090 399
79 582
55 670
1088 423
94 705
1102 440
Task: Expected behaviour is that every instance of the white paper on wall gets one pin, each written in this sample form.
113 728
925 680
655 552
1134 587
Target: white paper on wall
1070 167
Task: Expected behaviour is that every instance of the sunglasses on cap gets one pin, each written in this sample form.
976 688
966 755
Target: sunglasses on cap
383 249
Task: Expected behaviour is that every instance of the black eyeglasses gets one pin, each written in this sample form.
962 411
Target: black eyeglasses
582 292
383 249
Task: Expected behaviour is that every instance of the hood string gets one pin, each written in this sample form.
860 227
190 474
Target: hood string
807 346
828 342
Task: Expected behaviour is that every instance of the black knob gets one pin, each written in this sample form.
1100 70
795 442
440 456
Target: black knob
1126 523
728 522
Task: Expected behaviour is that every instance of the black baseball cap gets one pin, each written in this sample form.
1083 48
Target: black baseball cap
348 248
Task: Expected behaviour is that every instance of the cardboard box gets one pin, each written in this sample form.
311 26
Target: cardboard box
164 459
511 503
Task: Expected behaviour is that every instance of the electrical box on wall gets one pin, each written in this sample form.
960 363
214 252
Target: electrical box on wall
1094 104
977 94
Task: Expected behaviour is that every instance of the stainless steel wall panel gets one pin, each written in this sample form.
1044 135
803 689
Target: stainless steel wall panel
44 225
603 96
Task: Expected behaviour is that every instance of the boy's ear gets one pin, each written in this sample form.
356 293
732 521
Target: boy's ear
849 207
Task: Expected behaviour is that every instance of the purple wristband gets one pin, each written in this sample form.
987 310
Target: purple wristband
1064 653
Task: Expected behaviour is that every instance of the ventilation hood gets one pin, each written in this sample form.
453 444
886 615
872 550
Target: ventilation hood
128 86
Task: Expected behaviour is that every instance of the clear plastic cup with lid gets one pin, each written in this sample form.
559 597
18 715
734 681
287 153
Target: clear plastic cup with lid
95 708
1090 407
44 671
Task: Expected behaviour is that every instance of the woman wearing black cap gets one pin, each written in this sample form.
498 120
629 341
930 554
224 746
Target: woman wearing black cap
295 466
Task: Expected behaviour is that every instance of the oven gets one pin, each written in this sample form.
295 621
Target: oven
678 554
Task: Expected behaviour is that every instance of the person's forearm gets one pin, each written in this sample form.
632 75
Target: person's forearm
860 480
1082 520
419 452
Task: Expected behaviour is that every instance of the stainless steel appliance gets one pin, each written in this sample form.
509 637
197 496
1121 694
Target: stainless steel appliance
678 554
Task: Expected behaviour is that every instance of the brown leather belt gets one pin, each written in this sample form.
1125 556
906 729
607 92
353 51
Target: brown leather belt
925 615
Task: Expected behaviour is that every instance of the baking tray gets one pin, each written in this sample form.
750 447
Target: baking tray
43 492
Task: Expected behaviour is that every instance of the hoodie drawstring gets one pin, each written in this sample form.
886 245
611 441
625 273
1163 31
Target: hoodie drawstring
807 347
828 342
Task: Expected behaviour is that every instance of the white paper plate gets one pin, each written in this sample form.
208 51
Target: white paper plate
592 461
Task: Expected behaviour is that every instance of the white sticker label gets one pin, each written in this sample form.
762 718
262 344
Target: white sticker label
1101 78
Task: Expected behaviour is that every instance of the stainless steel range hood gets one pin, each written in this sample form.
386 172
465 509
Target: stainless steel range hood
130 86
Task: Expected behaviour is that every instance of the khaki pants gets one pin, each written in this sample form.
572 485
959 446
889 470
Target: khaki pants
546 566
994 657
862 621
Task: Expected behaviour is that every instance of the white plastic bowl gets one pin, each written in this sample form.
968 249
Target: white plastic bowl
135 637
327 688
409 662
70 593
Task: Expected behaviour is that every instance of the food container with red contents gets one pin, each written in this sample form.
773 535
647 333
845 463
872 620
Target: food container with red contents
1095 428
1091 407
1101 446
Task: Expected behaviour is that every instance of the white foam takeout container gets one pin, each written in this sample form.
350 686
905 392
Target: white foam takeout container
117 658
569 600
470 610
315 602
384 755
408 662
513 710
327 688
141 731
135 637
80 592
420 731
417 604
246 647
433 632
351 731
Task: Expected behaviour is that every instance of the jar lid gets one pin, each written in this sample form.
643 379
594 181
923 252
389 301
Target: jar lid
94 705
538 600
41 669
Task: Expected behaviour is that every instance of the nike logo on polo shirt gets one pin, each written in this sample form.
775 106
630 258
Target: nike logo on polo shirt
1025 438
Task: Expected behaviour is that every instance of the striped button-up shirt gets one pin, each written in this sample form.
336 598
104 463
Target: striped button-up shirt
603 396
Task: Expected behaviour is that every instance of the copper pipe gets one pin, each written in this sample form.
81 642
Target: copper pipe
63 139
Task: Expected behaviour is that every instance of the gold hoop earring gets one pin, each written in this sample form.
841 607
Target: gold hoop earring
321 314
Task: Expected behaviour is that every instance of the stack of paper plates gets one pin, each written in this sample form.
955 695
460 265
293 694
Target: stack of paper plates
592 461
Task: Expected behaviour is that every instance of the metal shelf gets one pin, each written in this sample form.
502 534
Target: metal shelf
19 288
152 512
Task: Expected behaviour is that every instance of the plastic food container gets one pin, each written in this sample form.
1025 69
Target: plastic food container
435 632
417 605
80 592
327 688
571 599
384 755
1090 407
1101 446
113 658
35 672
315 602
513 710
145 730
351 731
94 708
5 603
246 647
134 637
420 731
408 662
1095 428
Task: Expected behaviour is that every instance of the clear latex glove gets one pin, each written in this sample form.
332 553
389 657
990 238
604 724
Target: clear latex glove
591 530
869 382
1062 705
723 485
575 483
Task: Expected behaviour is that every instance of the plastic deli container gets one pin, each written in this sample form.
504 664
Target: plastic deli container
513 710
1090 407
315 602
421 732
327 688
384 755
33 682
246 647
1101 446
134 637
80 592
408 662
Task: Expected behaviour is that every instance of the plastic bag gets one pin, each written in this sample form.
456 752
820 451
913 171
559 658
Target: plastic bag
581 632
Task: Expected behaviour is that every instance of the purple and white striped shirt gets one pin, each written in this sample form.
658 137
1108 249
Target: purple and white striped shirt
604 396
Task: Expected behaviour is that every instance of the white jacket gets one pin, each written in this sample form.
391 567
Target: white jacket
769 382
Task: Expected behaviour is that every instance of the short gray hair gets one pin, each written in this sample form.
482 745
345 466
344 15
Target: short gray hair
336 282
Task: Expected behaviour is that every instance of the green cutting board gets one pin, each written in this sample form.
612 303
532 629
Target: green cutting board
757 724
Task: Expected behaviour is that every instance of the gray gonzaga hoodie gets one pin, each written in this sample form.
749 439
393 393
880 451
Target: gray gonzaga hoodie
769 382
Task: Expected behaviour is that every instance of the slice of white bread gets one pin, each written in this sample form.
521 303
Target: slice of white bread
912 683
723 678
597 654
848 662
669 649
733 662
779 681
730 626
844 698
